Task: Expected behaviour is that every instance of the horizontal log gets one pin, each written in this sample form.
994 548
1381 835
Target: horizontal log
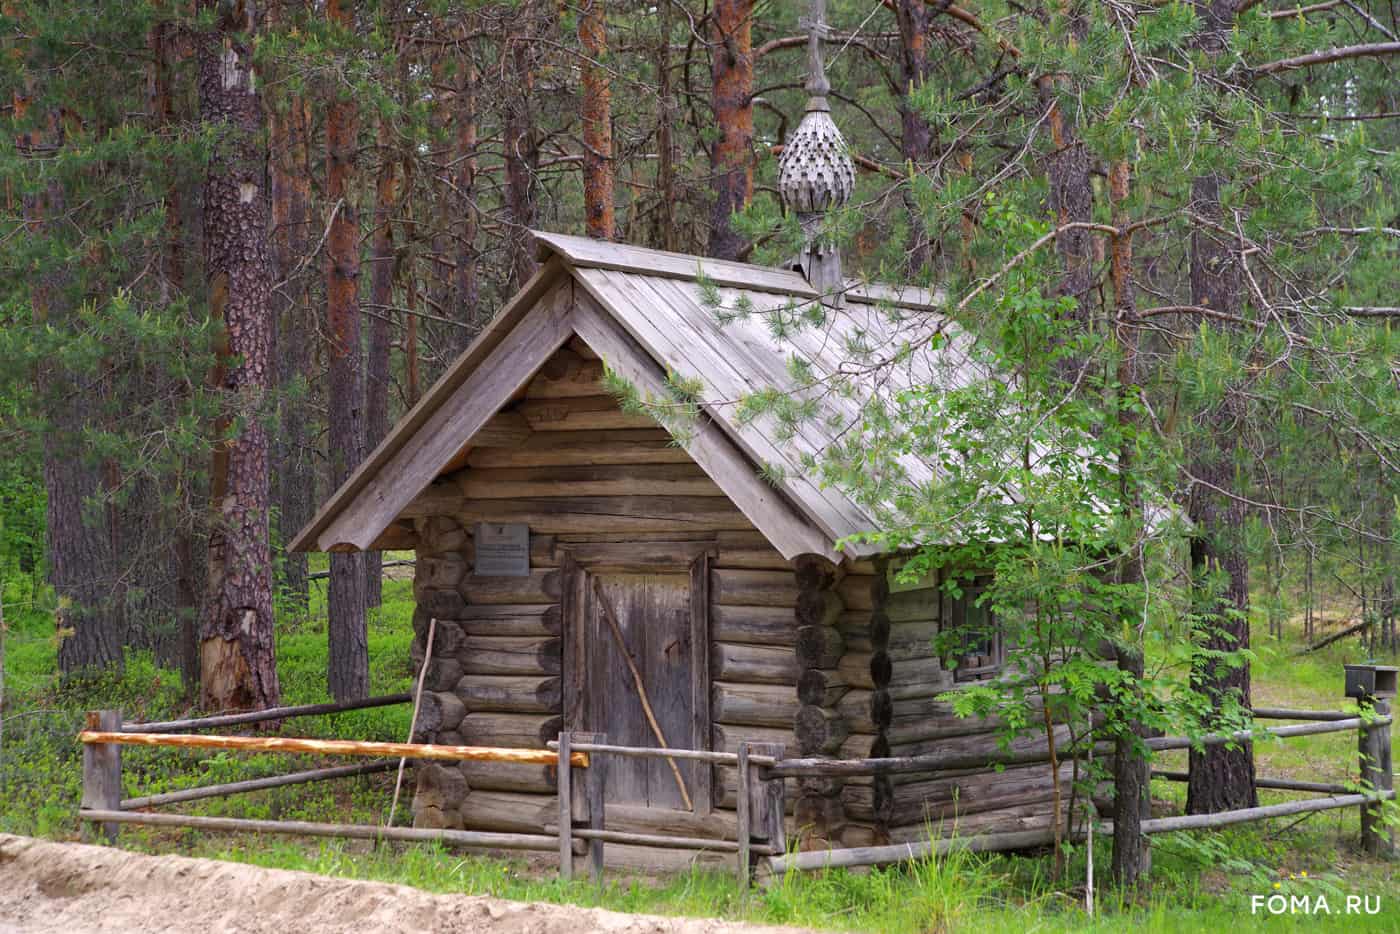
1159 743
565 375
855 669
904 640
887 672
443 604
748 550
1280 784
438 711
858 834
576 448
855 592
913 606
756 625
1245 815
819 608
864 710
1282 713
819 647
821 687
510 655
648 555
590 480
858 746
330 747
540 586
761 664
943 798
511 693
819 814
502 430
753 704
753 588
508 841
438 535
529 731
509 812
851 763
1036 816
441 572
507 776
726 790
442 498
659 752
272 713
539 619
581 413
614 514
656 860
256 784
819 731
726 738
986 744
438 786
663 840
901 852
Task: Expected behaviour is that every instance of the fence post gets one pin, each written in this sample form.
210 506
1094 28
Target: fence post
102 775
589 806
769 803
564 785
1373 743
744 805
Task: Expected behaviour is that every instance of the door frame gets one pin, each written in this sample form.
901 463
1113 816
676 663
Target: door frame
580 559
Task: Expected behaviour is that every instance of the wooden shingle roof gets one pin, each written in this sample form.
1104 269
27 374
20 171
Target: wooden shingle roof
653 313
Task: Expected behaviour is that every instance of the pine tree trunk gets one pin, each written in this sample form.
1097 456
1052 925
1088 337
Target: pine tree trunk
381 295
522 146
238 662
290 175
1131 769
1221 778
731 155
347 662
464 277
916 139
597 121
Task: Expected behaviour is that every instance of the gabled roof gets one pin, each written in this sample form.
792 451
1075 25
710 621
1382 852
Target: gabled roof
648 314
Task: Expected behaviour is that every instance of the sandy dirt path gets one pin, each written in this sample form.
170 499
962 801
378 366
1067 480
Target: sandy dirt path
48 888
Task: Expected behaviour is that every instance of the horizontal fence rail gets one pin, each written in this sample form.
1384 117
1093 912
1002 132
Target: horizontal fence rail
333 747
271 713
502 841
256 784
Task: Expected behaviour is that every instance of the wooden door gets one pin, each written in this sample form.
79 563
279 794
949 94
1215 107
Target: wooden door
653 614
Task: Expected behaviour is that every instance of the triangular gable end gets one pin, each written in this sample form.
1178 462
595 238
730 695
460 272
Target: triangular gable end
533 327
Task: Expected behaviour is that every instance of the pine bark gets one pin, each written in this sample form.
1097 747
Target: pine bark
347 661
465 284
597 122
1221 778
731 155
381 295
289 131
522 146
238 663
916 137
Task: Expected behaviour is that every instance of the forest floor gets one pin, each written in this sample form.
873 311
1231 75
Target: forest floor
1200 881
70 888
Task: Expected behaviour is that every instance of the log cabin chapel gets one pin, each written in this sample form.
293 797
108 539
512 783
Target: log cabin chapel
585 568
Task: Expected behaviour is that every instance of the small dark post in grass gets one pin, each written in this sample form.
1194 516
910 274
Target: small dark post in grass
1373 687
102 775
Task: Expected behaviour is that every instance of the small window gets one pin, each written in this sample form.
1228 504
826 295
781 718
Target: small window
978 651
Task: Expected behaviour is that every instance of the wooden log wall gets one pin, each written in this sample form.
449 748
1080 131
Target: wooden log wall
592 483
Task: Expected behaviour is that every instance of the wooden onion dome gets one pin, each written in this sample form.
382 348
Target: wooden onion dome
815 172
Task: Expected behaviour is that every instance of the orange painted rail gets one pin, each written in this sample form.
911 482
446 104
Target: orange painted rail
336 747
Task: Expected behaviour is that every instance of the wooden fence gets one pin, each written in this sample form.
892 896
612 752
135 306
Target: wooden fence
580 758
760 840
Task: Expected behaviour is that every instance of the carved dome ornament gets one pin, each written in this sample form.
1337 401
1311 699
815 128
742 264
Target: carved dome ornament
815 171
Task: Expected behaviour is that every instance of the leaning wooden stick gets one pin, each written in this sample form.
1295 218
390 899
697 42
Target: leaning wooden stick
641 688
413 720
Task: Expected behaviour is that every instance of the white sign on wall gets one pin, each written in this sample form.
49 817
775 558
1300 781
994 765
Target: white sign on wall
502 550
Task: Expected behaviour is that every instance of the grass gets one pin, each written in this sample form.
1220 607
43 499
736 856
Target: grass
1199 880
